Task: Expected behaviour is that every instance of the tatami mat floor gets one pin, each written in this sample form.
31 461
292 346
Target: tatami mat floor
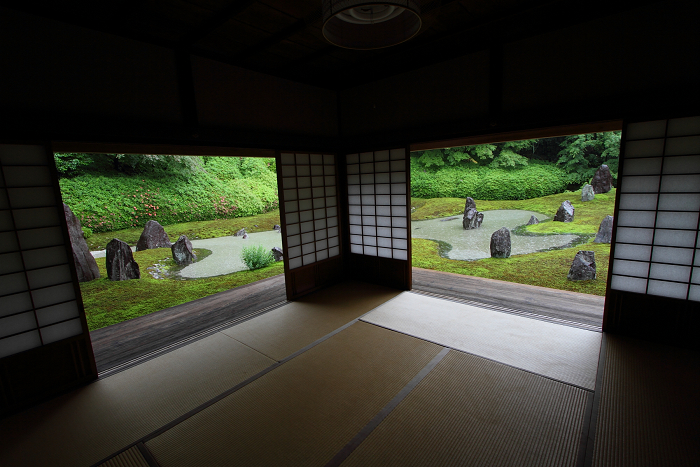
346 378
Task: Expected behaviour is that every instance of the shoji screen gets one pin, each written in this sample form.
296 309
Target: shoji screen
655 249
379 216
310 222
39 306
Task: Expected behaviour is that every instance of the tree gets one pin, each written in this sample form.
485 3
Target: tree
492 155
581 155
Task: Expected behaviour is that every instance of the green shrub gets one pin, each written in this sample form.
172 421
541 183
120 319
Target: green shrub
532 181
256 257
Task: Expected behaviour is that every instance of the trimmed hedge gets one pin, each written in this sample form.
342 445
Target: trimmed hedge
532 181
223 189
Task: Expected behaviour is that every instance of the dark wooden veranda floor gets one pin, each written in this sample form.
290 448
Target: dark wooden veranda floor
117 345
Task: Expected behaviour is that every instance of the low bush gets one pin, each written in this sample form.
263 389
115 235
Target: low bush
532 181
257 257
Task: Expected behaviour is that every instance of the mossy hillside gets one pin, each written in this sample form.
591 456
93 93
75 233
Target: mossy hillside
194 230
545 269
109 302
587 215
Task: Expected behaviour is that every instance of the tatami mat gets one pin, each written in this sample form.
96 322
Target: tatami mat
91 423
290 328
470 411
649 414
304 411
130 458
560 352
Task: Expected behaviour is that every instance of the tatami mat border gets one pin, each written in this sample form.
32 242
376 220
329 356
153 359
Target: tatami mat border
526 314
176 345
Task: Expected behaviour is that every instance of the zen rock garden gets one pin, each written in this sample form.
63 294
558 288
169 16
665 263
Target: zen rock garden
472 218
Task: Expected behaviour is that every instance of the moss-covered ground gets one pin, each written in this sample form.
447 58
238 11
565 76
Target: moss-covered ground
110 302
546 269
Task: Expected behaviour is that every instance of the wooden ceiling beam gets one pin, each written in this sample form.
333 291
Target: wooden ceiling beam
214 21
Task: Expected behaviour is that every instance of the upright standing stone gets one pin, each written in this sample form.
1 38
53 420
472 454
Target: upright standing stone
472 218
277 253
153 236
565 213
277 228
85 264
602 180
533 220
120 262
604 234
583 267
240 233
182 251
587 193
500 243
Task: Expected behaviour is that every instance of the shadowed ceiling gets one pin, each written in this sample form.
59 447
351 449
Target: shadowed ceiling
283 37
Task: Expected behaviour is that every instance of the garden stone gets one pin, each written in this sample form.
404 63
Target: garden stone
182 251
533 220
277 228
153 236
587 193
85 264
604 234
500 243
120 262
245 236
277 253
565 213
472 218
583 267
240 233
602 180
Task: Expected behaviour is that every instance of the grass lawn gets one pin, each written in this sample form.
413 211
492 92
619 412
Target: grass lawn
110 302
546 269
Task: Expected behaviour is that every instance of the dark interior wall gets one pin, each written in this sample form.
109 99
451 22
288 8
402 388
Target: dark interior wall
228 96
455 89
53 73
639 62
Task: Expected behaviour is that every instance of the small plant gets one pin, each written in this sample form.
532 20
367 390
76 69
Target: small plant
256 257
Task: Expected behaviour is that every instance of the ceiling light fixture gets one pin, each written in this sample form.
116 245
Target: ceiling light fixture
365 25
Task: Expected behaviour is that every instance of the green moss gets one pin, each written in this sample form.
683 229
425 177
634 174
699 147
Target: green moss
546 269
110 302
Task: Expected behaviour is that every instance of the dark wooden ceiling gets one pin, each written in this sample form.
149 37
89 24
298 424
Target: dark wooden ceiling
283 37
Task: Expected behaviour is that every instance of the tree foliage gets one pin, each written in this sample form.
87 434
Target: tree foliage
496 155
581 155
74 164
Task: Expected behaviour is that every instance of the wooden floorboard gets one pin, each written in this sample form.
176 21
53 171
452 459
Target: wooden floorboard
559 304
131 339
120 343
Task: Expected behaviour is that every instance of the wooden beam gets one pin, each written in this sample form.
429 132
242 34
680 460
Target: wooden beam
214 21
164 149
549 132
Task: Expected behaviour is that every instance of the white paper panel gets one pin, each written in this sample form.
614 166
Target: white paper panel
682 146
384 252
678 183
357 249
638 202
289 183
295 263
40 238
293 240
11 304
384 242
628 284
646 148
694 293
631 268
334 251
293 229
663 254
292 217
303 171
287 159
288 171
682 164
12 283
307 249
667 289
381 155
644 184
674 202
8 242
399 243
638 252
305 216
321 255
21 198
401 254
60 331
683 126
53 295
683 238
332 231
21 154
17 323
643 130
19 343
642 166
677 220
10 262
383 178
321 234
633 235
369 241
294 251
636 218
333 241
669 272
370 251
